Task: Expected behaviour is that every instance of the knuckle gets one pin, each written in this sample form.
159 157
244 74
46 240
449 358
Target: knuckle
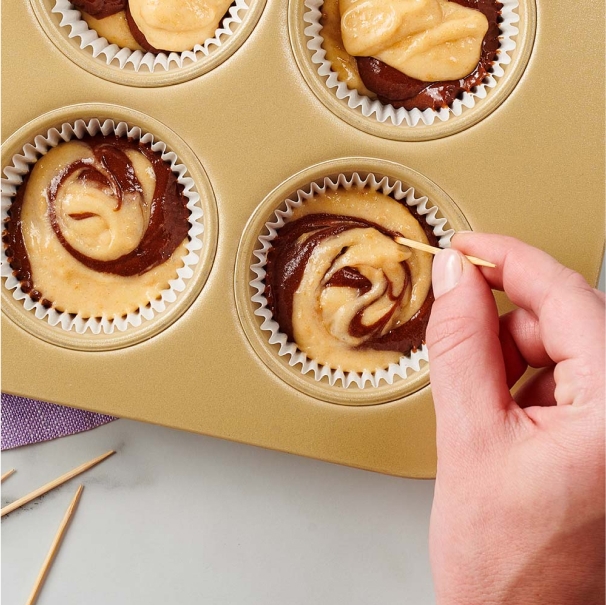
557 297
577 382
570 281
575 280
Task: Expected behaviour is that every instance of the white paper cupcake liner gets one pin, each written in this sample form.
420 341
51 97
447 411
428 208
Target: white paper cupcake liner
408 364
21 165
373 108
138 60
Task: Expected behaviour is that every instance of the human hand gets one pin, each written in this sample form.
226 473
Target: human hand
518 513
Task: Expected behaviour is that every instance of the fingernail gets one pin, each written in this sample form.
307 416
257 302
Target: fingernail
447 271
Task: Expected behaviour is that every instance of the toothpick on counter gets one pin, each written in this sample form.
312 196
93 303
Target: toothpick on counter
53 484
54 547
7 475
432 250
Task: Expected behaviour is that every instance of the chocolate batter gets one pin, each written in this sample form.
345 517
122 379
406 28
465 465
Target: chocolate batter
100 8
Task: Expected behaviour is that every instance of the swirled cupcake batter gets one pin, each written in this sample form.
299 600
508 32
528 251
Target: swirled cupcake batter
411 53
98 228
342 289
154 25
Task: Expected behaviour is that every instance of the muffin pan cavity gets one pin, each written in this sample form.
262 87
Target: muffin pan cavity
184 270
517 32
367 387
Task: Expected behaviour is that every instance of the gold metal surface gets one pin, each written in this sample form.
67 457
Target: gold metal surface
258 339
534 169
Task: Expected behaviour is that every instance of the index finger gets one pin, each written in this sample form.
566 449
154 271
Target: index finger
568 310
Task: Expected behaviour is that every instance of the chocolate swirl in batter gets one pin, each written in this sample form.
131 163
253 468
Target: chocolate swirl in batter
138 35
113 173
396 88
100 8
286 264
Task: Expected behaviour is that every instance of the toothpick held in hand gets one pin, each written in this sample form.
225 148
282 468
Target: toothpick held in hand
54 547
432 250
9 508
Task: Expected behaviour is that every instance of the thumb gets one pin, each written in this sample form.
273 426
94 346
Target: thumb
468 378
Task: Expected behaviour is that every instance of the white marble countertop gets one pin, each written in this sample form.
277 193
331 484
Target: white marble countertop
177 519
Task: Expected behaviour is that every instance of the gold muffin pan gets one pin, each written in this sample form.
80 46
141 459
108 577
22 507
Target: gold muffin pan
532 169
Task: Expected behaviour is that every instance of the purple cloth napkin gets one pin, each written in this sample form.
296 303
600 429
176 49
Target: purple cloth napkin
27 421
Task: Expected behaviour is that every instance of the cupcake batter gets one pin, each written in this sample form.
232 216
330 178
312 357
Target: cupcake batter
429 40
154 25
98 228
411 53
342 289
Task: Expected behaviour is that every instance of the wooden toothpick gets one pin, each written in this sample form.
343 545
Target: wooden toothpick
55 483
7 475
411 243
54 547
